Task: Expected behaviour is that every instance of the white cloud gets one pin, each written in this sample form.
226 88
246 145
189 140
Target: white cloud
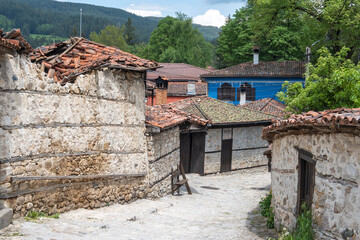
145 13
132 5
212 17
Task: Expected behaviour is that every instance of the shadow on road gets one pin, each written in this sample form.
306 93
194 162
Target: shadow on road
257 223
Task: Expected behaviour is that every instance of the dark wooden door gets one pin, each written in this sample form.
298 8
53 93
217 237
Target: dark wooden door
185 150
197 152
307 180
226 155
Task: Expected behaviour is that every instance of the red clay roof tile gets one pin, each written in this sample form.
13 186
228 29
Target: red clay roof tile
86 56
337 120
14 40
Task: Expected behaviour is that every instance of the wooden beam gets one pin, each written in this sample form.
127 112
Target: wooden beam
74 177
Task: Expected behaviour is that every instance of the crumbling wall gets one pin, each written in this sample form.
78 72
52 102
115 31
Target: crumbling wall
163 155
84 142
336 199
248 148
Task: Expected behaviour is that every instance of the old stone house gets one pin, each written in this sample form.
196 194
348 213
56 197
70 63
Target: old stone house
163 140
315 160
72 126
230 141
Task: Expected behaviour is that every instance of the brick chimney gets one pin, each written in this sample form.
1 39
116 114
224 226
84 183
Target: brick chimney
256 55
242 94
161 90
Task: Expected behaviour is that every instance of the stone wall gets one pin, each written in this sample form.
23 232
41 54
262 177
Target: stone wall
248 148
93 127
336 200
163 154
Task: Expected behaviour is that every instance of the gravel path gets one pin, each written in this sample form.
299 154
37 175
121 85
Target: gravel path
222 206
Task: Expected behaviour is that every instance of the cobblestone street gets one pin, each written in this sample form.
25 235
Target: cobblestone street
223 206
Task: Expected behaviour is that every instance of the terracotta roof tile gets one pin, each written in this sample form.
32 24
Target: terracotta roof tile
164 117
263 69
14 40
267 105
337 120
78 56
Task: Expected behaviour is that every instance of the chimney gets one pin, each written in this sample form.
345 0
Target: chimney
161 90
256 55
242 94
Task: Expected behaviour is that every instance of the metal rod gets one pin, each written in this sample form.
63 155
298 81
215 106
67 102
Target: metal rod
80 22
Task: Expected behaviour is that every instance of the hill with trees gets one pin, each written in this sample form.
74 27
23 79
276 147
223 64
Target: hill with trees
48 20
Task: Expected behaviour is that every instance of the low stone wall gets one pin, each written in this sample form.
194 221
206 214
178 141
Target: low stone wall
336 199
248 148
163 155
93 127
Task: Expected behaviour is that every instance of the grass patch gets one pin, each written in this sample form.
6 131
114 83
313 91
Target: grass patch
34 215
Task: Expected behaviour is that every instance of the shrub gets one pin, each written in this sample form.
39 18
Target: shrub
266 210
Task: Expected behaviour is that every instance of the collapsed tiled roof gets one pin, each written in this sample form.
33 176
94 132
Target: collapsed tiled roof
267 105
66 60
263 69
328 121
165 117
15 41
219 112
178 71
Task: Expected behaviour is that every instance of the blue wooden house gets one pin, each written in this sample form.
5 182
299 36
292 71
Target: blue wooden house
252 81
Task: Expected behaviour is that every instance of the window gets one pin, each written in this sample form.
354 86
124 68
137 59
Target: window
226 92
250 92
191 88
306 179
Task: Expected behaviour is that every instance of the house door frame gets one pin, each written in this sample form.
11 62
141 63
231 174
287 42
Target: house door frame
192 151
306 182
226 149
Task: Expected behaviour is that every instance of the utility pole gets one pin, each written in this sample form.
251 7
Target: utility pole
80 22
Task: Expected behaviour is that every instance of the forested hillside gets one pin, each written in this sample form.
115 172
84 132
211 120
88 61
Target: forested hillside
48 20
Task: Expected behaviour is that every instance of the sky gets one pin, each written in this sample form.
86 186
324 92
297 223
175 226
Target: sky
204 12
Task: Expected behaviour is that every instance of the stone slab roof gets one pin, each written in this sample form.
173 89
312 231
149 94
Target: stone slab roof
267 105
165 117
178 71
329 121
64 61
219 112
13 40
263 69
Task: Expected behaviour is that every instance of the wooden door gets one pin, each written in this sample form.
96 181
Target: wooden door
197 152
306 180
226 155
185 150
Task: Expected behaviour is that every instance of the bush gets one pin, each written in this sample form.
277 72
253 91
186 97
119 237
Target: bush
303 229
267 211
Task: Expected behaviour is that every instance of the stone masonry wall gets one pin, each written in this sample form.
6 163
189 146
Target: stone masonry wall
163 154
248 148
94 127
336 199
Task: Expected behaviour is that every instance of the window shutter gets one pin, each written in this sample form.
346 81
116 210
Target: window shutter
232 94
220 93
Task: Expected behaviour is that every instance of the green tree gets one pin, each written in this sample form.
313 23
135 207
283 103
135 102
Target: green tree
111 36
74 32
239 36
130 32
336 23
175 40
333 82
6 23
